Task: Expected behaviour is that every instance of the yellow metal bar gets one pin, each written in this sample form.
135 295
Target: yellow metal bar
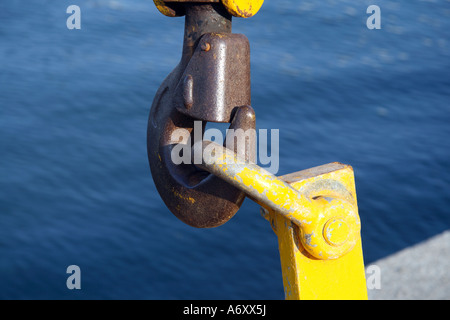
314 214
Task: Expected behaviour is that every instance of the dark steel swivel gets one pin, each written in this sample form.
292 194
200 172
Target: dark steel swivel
210 84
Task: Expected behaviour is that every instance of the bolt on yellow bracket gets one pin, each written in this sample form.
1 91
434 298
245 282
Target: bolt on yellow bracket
314 214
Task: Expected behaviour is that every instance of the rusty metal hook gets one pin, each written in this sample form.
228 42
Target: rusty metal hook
210 84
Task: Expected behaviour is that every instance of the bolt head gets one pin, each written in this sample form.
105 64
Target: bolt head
336 231
206 46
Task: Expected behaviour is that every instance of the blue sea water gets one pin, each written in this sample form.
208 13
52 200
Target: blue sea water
75 186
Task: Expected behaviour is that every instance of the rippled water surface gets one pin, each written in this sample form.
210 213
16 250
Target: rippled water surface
75 186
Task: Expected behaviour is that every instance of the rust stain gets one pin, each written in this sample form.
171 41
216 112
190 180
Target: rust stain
179 195
244 13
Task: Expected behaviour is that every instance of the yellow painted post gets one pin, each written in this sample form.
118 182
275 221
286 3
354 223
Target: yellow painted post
314 213
304 276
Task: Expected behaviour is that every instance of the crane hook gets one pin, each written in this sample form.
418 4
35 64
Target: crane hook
210 84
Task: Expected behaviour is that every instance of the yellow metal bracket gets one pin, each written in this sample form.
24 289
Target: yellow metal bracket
304 276
237 8
313 212
243 8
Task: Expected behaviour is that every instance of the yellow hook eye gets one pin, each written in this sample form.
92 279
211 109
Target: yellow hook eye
167 10
237 8
243 8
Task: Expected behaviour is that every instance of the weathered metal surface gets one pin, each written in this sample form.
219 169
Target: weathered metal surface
216 79
169 9
202 18
243 8
305 277
322 204
195 196
314 214
238 8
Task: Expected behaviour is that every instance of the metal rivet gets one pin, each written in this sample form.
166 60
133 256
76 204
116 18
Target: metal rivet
206 46
336 232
